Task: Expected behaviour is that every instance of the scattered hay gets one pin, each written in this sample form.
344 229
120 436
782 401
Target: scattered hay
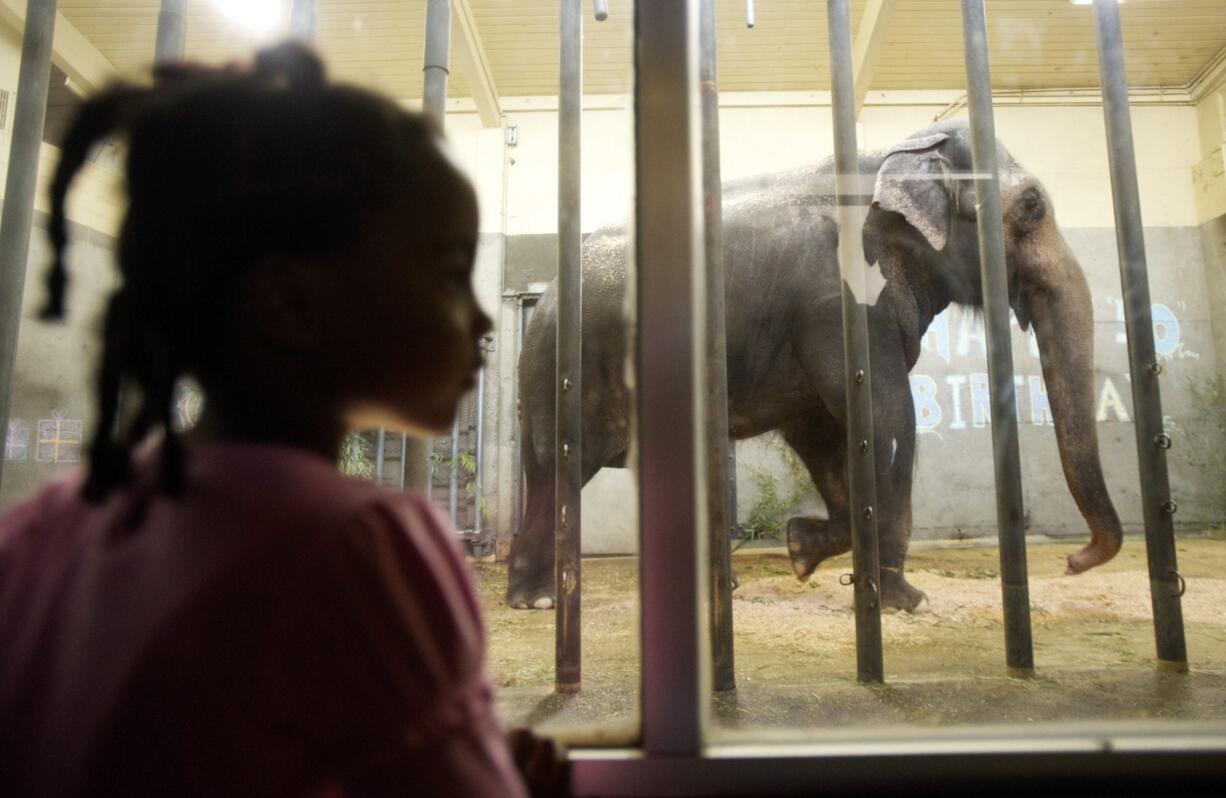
795 654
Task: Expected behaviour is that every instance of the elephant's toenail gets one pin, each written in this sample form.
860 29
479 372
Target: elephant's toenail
543 603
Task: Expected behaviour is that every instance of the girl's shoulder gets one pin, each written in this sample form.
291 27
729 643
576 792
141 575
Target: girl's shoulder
279 486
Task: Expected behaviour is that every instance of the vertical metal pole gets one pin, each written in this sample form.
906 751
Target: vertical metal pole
600 9
1165 583
380 445
569 431
1019 650
33 81
404 445
429 469
670 381
453 496
861 468
478 482
302 21
731 489
518 481
172 31
723 672
434 104
438 59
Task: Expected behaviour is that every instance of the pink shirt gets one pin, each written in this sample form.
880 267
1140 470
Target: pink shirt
279 630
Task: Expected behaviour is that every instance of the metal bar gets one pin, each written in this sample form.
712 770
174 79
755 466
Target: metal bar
437 59
1019 649
380 445
435 68
430 470
302 21
569 389
750 16
453 497
670 381
172 31
723 671
478 481
1157 505
1026 762
518 481
33 81
731 489
601 9
404 445
861 463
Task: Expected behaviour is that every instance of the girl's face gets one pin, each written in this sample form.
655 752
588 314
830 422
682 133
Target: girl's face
408 343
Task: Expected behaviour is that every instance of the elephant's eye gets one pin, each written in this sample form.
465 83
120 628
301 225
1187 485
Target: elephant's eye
1032 205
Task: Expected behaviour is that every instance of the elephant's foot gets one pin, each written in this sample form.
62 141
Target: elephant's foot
811 540
529 596
529 602
897 593
1096 552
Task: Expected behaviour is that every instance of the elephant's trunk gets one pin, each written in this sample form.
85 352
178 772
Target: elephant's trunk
1063 317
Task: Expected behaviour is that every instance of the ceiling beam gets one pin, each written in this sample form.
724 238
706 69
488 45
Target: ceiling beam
473 64
86 67
867 47
1211 78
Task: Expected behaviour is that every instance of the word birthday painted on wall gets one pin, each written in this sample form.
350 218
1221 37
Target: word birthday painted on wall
952 399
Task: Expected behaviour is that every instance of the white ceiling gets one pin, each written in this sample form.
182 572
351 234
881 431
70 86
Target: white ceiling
1034 43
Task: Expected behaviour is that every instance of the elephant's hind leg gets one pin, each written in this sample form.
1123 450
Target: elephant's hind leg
811 539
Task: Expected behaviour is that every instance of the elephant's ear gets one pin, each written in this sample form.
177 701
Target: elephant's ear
913 180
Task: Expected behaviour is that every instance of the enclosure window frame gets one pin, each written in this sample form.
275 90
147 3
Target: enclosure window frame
675 755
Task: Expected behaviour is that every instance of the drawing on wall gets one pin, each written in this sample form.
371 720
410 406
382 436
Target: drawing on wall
189 404
59 439
960 401
17 440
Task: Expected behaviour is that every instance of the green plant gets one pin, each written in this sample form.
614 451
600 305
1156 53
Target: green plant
1205 438
464 463
766 516
354 456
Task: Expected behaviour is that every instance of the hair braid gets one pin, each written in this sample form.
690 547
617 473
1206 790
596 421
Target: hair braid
97 118
109 461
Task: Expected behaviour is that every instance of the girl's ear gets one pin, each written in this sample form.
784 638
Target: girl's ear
283 301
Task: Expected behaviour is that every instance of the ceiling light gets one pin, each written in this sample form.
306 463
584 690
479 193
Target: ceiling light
261 17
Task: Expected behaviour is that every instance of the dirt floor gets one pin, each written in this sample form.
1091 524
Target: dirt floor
795 654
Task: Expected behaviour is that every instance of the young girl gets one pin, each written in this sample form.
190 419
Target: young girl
223 613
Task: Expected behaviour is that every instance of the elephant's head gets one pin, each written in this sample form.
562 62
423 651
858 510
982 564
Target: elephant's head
924 215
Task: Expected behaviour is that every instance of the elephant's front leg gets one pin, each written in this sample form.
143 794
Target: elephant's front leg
894 456
810 539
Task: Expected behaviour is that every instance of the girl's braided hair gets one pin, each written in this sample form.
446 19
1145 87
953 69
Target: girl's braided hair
224 168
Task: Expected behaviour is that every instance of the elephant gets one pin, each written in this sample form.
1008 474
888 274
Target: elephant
785 360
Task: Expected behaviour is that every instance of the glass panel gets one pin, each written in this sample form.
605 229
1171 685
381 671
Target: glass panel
516 573
1093 633
492 475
